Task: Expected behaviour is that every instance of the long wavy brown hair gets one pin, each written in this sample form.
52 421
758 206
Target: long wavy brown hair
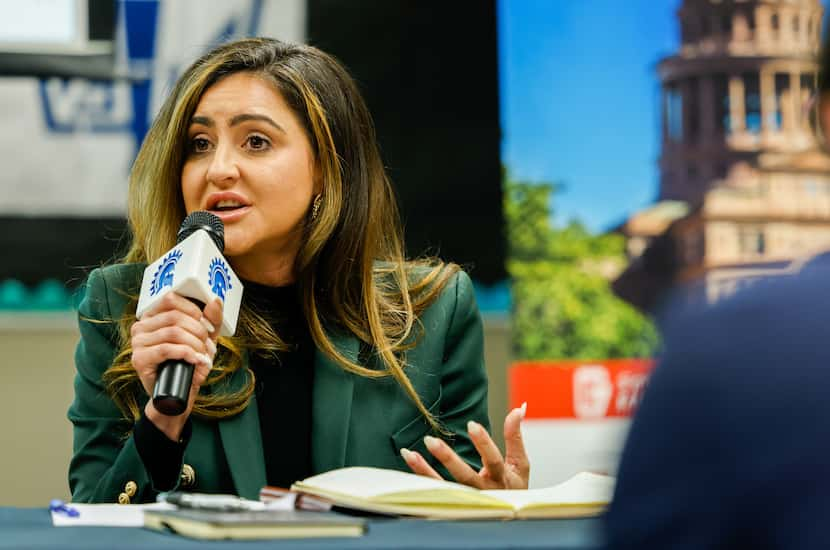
351 270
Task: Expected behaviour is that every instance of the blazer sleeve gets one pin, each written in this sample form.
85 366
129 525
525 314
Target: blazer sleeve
104 455
464 378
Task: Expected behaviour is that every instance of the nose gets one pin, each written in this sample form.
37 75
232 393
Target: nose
223 169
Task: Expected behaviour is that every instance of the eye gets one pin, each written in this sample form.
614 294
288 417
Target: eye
258 143
199 145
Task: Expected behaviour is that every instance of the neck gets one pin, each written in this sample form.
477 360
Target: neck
270 270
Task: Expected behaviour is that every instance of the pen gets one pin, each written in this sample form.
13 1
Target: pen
59 506
202 501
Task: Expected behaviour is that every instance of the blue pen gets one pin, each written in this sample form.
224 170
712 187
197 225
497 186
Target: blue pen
57 505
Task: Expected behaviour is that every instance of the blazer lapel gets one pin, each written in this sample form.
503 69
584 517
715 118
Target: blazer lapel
332 406
242 441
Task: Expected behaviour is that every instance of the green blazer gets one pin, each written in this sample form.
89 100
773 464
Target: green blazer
356 421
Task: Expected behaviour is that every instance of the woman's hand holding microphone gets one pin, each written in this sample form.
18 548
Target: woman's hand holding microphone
175 328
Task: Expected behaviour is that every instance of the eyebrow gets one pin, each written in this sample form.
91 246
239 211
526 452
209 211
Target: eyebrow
238 119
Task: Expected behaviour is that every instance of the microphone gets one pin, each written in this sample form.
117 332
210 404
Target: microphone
195 269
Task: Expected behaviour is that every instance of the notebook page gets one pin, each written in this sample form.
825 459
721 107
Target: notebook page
582 488
363 482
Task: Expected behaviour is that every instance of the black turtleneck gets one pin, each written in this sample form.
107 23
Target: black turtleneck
284 383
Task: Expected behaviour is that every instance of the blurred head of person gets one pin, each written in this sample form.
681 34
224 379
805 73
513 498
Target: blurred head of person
276 140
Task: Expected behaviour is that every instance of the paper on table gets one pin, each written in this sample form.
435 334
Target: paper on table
107 515
285 502
132 515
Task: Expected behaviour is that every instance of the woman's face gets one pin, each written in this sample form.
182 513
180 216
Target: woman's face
249 161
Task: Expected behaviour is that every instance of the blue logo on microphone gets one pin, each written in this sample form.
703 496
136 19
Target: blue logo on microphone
164 274
219 278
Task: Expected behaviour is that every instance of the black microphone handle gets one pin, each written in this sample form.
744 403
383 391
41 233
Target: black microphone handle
172 389
173 380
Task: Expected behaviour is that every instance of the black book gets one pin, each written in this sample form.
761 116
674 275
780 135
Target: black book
261 524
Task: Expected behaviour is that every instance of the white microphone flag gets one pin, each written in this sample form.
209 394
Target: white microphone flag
196 269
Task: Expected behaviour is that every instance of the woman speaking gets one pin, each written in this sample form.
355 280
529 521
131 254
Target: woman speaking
345 353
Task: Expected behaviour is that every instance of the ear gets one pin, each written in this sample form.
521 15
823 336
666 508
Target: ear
317 178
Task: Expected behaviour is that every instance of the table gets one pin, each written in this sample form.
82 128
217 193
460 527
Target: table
32 528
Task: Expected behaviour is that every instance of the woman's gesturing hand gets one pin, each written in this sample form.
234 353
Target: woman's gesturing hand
175 329
510 472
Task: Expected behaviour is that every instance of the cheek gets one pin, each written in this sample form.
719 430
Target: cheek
190 188
289 184
304 179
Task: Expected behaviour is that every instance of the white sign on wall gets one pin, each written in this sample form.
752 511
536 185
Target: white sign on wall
40 23
66 145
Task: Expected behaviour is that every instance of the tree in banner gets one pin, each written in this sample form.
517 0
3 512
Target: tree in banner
563 306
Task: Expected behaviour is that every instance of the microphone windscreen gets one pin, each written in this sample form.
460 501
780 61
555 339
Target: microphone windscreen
206 221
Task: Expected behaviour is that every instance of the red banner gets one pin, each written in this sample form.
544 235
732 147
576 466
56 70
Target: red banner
606 388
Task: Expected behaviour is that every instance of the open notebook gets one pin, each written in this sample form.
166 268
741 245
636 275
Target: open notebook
400 493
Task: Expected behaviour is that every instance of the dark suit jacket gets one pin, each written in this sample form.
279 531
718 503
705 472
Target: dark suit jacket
356 420
730 447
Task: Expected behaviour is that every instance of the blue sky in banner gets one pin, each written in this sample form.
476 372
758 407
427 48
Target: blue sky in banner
580 100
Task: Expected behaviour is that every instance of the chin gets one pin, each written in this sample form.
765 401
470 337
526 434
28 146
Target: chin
232 248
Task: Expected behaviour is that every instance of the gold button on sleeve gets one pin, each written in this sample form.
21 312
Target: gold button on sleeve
131 488
123 498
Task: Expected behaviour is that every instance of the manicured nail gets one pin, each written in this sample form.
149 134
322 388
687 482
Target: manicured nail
206 360
474 428
207 324
211 347
407 455
523 408
432 443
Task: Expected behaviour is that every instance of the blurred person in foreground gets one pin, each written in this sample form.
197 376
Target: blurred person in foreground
729 447
345 353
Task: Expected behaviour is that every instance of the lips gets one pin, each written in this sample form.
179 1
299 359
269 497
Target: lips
227 205
226 201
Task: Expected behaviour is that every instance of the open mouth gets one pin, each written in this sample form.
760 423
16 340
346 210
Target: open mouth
227 206
225 202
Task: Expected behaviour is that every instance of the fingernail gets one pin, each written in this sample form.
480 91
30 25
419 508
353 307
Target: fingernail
523 408
206 360
211 347
407 455
207 324
474 428
432 443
